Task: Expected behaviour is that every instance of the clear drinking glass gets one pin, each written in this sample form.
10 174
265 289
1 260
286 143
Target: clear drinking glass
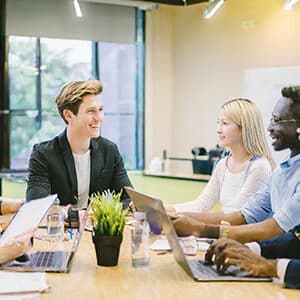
55 227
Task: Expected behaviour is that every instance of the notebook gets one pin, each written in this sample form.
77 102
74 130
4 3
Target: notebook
157 217
27 284
50 260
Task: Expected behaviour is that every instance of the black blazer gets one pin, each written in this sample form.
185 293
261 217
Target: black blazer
286 245
52 170
292 274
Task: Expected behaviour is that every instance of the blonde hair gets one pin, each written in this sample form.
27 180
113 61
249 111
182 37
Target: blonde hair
71 94
245 114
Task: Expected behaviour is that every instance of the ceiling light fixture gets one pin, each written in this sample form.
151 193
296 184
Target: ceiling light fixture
213 6
289 4
77 8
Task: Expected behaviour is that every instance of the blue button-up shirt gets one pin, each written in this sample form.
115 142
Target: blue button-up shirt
280 198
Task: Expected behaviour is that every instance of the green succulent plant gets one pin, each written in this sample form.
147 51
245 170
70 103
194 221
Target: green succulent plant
108 213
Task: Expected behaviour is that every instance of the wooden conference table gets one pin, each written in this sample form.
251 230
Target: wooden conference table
164 279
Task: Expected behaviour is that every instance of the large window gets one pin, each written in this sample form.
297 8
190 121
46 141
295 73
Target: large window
39 66
120 107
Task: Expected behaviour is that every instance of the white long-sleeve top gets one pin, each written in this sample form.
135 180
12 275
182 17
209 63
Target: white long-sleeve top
231 189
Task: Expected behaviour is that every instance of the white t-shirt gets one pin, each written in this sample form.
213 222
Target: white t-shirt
231 189
83 171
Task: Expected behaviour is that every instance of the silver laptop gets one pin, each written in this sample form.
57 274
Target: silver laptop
157 217
52 260
27 218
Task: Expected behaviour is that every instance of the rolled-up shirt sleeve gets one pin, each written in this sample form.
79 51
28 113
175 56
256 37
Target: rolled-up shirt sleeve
258 208
287 216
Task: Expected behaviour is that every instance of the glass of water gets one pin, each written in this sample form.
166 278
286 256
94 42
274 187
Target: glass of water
55 227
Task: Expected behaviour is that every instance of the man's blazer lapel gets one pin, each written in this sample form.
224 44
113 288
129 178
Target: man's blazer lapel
97 164
69 162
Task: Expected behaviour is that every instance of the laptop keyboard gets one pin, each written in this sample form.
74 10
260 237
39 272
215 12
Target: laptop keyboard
48 259
202 271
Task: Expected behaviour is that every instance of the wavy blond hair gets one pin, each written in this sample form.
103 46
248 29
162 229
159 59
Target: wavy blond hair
245 114
71 94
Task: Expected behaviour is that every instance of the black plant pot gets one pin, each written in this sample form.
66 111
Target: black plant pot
107 249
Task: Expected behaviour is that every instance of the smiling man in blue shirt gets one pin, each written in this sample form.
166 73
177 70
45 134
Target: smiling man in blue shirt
275 208
278 257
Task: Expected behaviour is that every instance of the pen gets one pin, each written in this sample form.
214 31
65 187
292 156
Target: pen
70 231
42 226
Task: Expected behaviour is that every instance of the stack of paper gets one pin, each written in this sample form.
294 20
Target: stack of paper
18 282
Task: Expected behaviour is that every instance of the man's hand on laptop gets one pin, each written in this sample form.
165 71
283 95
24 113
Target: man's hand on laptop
225 253
186 226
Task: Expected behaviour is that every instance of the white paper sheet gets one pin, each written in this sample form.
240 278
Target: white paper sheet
19 282
162 244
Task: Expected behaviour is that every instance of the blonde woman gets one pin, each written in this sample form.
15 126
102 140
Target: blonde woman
247 168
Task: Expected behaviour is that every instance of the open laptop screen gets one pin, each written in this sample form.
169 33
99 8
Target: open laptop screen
157 216
27 218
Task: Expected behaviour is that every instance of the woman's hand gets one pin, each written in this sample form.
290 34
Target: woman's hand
170 209
16 247
5 220
186 226
10 206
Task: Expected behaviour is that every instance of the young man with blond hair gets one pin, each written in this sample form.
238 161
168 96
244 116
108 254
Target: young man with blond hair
79 161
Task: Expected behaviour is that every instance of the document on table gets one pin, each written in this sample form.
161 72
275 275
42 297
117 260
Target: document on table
162 244
21 282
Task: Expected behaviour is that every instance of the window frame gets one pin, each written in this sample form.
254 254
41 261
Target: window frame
6 112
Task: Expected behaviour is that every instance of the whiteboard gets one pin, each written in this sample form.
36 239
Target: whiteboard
263 86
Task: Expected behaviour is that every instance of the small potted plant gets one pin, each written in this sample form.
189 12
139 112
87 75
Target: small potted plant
108 223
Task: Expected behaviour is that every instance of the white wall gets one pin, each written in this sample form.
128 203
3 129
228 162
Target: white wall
159 94
194 64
